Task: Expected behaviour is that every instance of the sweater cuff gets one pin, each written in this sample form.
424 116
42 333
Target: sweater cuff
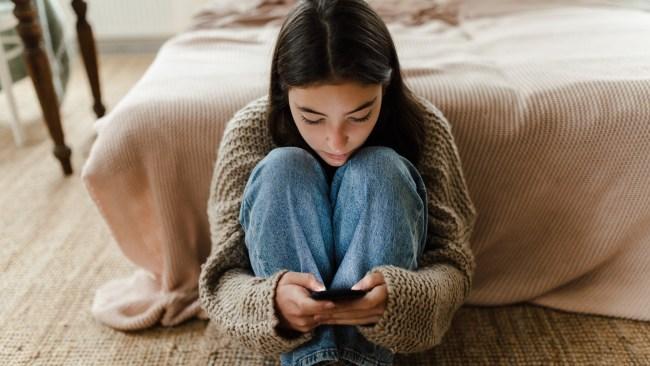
419 308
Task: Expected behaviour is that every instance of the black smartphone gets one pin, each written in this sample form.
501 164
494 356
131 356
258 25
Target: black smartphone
338 294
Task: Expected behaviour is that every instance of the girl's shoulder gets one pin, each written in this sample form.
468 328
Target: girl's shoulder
249 121
247 131
434 118
252 113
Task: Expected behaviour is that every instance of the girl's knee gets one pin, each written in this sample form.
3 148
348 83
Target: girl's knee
286 161
281 155
376 153
382 170
379 163
282 170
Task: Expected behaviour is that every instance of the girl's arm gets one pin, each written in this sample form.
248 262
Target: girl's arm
240 304
422 303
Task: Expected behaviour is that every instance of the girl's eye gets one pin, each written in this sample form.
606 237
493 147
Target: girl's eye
310 122
362 119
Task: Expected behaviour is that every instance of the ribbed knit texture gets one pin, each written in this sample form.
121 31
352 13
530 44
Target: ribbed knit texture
420 303
549 111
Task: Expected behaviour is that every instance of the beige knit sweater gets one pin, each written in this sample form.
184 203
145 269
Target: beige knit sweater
420 303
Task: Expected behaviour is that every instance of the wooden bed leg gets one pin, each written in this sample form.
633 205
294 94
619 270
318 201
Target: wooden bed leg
39 69
88 53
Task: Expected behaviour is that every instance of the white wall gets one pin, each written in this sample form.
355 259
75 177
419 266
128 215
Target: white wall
134 25
140 19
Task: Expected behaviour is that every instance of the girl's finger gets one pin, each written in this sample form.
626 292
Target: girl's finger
369 281
304 322
377 297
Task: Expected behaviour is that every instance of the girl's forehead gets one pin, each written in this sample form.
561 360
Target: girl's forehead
335 88
335 99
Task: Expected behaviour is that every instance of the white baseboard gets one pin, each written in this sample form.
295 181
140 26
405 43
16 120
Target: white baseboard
130 45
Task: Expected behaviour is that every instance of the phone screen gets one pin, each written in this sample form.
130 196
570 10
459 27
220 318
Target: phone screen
338 294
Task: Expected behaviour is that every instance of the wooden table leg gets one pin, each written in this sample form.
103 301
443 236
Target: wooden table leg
88 53
39 69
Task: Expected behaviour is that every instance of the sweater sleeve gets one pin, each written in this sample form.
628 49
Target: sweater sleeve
238 303
421 303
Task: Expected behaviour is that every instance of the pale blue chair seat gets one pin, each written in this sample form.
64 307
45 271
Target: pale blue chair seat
12 65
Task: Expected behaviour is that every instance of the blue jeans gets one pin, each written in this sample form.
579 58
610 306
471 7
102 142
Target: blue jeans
374 213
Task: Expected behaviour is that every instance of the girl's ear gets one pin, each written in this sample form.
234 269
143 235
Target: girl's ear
383 89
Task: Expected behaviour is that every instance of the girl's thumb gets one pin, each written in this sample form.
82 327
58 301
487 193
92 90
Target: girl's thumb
315 285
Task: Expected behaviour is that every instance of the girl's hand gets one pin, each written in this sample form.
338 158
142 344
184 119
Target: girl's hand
294 306
366 310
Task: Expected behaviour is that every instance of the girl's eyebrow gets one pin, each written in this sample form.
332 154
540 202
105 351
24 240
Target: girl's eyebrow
362 106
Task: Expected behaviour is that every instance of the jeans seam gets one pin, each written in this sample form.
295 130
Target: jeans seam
423 242
244 206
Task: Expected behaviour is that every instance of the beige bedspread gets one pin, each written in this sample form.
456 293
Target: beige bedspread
551 112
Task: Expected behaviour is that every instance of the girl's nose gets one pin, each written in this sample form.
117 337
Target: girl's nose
338 140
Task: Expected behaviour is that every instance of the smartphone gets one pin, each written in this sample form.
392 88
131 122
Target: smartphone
338 294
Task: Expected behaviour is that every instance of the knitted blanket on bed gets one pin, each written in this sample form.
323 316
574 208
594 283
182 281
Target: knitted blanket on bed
550 115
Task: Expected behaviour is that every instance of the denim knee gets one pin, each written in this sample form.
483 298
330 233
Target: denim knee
380 166
376 154
380 173
380 163
289 156
286 164
282 169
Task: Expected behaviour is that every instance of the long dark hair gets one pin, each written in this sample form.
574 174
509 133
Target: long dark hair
330 41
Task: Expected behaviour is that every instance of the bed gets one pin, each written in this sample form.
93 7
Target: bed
549 103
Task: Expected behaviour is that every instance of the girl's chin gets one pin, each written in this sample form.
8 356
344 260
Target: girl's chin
334 162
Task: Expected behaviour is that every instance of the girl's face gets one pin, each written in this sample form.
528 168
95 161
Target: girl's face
335 119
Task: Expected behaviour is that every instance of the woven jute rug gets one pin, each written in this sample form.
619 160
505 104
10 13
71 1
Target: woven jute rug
510 335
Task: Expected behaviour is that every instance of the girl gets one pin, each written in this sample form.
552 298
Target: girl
339 178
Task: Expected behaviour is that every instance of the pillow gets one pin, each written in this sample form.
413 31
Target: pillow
489 8
226 13
233 13
413 12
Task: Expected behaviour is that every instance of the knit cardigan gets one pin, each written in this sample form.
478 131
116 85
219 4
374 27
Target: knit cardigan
421 303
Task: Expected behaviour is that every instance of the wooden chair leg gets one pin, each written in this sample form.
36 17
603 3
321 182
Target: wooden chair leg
89 54
39 69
